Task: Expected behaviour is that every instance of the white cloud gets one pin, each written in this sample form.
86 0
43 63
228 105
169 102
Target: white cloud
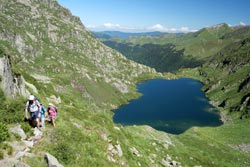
173 29
107 26
242 23
187 29
156 27
159 27
91 26
184 29
111 26
118 27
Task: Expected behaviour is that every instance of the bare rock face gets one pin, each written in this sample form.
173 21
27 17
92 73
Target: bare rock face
12 84
245 84
121 87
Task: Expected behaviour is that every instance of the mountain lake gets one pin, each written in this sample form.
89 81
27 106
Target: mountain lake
172 106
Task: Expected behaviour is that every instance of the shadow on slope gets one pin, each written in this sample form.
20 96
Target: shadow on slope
164 58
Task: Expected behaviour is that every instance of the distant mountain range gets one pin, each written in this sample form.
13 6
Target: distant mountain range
168 52
220 53
47 52
124 35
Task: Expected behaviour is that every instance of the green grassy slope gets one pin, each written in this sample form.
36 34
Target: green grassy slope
164 58
171 52
227 78
225 146
49 41
54 52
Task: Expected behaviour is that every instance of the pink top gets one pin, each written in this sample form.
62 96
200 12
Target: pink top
52 111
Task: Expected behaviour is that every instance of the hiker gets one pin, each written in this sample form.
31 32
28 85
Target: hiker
52 112
42 115
33 107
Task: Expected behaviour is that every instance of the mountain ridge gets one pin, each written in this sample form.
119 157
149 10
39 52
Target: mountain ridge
62 63
172 53
194 46
124 35
55 36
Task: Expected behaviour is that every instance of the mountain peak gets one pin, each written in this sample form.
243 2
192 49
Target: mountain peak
217 30
221 25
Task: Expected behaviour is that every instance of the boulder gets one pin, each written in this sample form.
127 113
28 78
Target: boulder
12 163
135 152
17 146
23 154
52 161
37 132
28 143
54 99
19 131
119 150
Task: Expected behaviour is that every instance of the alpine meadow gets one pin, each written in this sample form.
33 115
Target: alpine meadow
48 52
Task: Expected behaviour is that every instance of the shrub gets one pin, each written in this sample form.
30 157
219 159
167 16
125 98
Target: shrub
12 111
1 155
4 133
6 147
64 153
2 96
1 51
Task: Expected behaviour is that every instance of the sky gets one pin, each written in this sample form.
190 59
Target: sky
158 15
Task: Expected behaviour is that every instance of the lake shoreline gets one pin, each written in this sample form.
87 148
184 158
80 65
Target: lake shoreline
168 118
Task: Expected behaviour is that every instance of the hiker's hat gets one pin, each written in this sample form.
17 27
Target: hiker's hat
31 97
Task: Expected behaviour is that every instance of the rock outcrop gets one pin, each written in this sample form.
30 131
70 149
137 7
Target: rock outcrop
19 131
59 41
227 80
12 163
20 148
23 147
245 84
12 84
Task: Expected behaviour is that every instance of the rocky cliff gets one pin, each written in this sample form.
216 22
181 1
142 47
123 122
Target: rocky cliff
46 40
62 63
227 78
13 84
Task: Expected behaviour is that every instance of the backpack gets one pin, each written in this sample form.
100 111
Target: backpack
43 110
33 107
54 109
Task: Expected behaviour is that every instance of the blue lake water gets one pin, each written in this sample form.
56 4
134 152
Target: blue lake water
172 106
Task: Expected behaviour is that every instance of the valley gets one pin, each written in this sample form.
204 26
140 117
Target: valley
48 52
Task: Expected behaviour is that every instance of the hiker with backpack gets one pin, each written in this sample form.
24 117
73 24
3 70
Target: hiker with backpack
33 108
52 112
42 115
